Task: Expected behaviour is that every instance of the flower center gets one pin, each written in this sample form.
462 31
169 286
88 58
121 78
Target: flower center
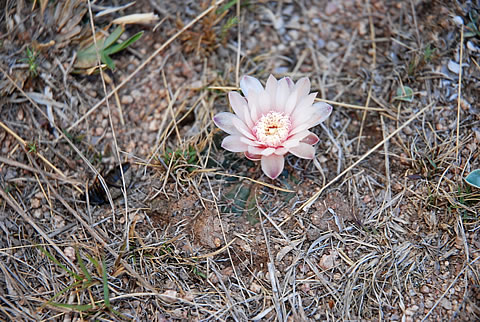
272 129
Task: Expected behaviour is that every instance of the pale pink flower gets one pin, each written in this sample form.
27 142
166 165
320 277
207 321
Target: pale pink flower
269 123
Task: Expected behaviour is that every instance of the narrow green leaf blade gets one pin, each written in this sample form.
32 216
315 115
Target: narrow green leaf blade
73 307
113 37
108 61
82 265
225 7
121 46
106 291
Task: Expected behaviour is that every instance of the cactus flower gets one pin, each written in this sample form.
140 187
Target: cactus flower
273 121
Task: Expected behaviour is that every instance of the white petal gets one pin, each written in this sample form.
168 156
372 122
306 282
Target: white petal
255 150
272 165
303 86
271 86
239 105
294 140
264 103
224 121
234 143
248 118
283 91
312 116
249 142
304 106
296 137
281 151
248 84
255 111
300 128
291 102
290 83
291 143
323 111
260 150
242 128
268 151
303 150
303 103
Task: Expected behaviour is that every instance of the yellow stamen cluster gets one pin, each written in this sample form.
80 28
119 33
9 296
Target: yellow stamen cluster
272 128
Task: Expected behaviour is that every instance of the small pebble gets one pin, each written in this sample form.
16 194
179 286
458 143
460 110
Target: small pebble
126 99
428 304
136 94
425 289
255 288
37 214
332 45
20 115
169 296
331 8
447 305
70 253
35 203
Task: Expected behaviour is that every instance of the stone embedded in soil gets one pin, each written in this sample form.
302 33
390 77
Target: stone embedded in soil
255 288
70 253
35 203
126 99
136 94
331 8
425 289
446 304
332 46
328 261
169 296
153 125
37 214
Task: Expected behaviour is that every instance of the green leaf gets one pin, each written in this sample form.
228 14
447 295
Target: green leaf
107 60
473 178
106 291
225 7
87 57
229 24
473 15
471 30
113 37
82 266
428 53
74 307
118 47
404 93
62 292
197 272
